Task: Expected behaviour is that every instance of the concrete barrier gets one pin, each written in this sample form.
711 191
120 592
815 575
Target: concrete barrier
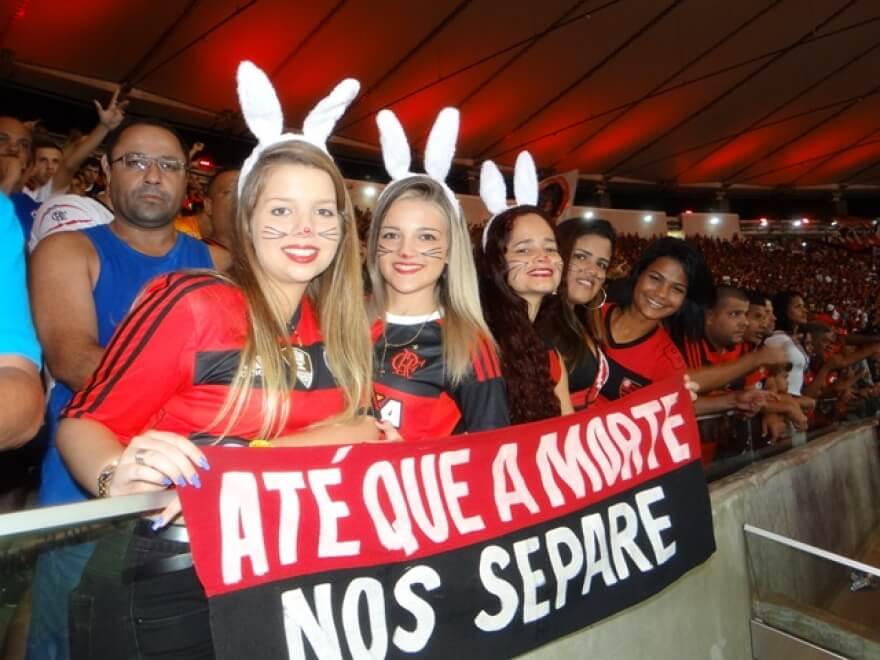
826 493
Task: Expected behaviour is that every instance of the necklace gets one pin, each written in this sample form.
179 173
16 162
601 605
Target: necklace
386 345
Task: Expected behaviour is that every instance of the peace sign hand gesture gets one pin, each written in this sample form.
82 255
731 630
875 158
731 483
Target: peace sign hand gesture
114 113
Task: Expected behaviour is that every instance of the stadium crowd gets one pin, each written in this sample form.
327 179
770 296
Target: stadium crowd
150 319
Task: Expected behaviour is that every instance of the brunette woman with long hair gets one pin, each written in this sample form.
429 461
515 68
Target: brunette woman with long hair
518 267
662 305
573 321
436 370
791 315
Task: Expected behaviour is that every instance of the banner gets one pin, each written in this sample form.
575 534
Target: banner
483 545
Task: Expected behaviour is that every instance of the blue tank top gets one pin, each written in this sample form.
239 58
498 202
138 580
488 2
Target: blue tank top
123 273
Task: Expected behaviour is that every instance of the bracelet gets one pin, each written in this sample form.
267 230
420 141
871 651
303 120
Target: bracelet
259 442
105 478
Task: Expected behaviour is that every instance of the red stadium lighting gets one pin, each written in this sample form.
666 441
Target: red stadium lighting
688 212
806 221
764 222
205 163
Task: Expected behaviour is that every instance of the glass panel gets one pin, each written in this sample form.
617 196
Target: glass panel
824 602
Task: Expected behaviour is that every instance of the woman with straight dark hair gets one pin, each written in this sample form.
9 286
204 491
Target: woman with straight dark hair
662 305
572 322
791 314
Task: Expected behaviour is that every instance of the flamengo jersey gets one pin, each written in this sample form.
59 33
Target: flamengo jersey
411 390
699 354
640 362
587 379
67 213
170 363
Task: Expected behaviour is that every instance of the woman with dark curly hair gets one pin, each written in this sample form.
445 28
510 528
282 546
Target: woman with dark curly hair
518 268
662 306
572 322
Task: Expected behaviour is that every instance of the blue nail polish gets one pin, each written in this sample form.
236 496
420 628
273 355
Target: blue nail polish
203 463
158 523
166 481
181 482
195 481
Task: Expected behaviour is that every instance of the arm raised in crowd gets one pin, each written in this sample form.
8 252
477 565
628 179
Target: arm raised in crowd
63 269
835 362
714 377
75 155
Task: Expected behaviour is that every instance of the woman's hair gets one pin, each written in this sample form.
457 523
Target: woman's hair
336 293
687 322
781 302
456 291
574 329
524 361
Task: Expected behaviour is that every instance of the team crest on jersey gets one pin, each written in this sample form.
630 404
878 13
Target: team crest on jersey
302 362
406 363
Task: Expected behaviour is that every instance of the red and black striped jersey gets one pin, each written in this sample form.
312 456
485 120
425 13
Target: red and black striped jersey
171 361
639 362
412 390
700 354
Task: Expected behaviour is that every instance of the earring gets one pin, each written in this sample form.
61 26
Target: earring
604 298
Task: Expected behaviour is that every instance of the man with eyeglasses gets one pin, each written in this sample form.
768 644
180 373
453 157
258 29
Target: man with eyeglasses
82 285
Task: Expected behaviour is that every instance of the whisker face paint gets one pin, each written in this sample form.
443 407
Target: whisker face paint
272 233
330 234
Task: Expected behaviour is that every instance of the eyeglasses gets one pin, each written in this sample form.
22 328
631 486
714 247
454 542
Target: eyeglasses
142 163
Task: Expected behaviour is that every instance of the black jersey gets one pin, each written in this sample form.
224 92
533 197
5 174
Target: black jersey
413 393
586 378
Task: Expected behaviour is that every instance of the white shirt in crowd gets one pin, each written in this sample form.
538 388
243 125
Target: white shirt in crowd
67 213
796 356
41 194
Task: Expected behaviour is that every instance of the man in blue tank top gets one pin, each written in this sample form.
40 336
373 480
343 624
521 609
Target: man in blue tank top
82 285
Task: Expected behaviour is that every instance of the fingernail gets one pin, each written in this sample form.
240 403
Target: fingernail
158 523
195 481
181 482
166 481
203 463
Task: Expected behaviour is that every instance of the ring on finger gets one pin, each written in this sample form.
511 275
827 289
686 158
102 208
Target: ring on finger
139 456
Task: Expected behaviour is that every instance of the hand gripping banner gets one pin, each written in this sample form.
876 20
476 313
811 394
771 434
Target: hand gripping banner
483 545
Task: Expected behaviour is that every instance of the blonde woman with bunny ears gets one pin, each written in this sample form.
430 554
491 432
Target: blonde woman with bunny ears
279 353
436 371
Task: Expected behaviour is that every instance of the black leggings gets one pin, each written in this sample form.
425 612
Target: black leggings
116 615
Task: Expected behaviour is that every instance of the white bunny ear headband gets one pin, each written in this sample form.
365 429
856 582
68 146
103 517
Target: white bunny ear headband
439 150
262 114
493 190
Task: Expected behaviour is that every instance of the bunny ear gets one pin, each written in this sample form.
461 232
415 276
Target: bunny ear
441 144
259 103
395 148
525 180
493 190
323 117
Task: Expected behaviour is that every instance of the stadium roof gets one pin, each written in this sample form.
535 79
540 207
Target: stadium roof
739 93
